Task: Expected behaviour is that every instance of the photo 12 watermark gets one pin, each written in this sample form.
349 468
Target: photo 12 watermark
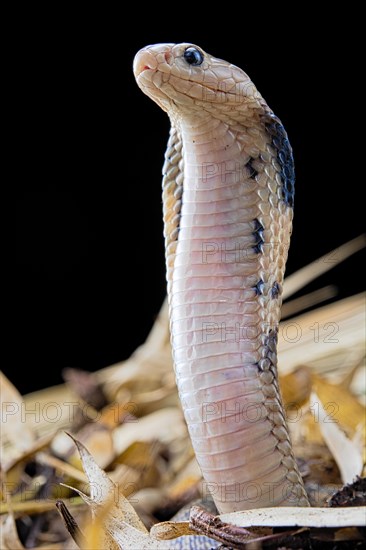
67 412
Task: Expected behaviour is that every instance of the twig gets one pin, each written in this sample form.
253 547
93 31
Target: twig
207 524
71 524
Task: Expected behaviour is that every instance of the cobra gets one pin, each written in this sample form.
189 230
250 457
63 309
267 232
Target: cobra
228 192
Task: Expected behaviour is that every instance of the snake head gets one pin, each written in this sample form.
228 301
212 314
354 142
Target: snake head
183 79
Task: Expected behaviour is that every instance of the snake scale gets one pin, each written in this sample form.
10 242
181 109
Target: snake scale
228 193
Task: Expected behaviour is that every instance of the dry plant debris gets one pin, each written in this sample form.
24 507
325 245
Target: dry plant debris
127 477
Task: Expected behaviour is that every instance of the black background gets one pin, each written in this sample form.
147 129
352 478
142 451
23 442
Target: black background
89 267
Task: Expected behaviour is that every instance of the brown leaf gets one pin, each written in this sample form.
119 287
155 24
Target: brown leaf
168 530
99 441
143 457
348 534
115 521
116 413
164 425
296 387
104 491
341 406
346 453
15 423
86 385
31 507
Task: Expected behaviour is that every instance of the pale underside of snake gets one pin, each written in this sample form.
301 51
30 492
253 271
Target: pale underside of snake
228 189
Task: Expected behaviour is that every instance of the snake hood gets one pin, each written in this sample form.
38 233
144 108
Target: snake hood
183 79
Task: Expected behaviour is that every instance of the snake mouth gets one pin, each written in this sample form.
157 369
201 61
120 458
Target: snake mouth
144 61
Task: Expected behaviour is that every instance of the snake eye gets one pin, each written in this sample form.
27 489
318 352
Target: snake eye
193 56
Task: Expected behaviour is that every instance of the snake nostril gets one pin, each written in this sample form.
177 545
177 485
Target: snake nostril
144 61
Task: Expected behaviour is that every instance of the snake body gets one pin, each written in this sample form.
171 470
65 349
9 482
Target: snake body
228 189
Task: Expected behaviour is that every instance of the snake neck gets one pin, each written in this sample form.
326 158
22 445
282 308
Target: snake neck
226 252
232 226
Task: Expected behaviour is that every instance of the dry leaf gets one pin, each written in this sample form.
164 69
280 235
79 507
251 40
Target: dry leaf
31 507
295 306
168 530
21 458
296 387
164 425
346 454
130 538
128 480
104 491
347 534
61 466
305 275
110 508
148 499
358 382
341 406
115 413
95 535
142 457
186 486
113 513
15 421
99 441
86 386
329 339
354 516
